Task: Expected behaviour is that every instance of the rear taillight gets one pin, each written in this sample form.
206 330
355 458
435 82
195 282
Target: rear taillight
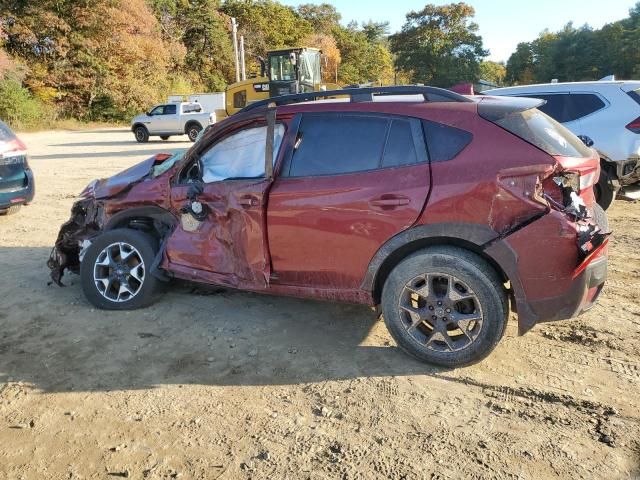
13 152
634 126
562 191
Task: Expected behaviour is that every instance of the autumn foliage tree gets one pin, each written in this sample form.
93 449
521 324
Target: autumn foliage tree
440 45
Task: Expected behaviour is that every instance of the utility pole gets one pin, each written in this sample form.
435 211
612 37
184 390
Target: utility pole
243 66
234 29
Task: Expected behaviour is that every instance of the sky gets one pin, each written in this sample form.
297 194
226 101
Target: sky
503 23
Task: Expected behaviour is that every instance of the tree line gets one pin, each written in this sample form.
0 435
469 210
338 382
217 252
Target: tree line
110 59
578 54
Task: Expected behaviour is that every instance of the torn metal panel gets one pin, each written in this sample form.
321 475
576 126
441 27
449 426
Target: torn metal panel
87 220
229 239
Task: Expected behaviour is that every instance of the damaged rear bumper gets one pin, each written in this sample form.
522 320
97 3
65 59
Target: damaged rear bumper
551 278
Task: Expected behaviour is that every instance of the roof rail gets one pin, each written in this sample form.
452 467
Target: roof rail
357 95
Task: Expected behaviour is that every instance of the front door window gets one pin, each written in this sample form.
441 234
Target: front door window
241 155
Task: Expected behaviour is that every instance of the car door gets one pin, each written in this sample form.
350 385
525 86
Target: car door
351 182
154 119
170 119
221 237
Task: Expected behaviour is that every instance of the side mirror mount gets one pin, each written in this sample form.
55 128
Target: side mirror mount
586 140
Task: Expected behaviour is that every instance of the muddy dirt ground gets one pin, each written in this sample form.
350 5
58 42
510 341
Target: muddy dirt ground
213 384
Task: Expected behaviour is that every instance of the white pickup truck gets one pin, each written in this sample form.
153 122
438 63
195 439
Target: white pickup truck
170 119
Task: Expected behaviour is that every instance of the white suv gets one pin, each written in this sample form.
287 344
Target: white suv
608 113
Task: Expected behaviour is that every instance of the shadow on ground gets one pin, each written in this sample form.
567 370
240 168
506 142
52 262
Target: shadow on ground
52 338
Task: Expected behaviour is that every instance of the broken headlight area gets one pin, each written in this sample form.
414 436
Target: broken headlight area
85 223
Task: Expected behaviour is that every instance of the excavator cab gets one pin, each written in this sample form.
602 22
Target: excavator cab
295 70
291 70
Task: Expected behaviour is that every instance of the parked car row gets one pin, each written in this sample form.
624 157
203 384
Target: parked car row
442 211
605 113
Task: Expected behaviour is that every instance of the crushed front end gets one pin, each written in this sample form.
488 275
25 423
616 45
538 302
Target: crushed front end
87 220
145 184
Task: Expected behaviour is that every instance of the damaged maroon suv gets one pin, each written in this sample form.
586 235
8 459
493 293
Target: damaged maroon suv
444 211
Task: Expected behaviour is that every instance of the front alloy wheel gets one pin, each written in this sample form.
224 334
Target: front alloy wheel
116 270
119 272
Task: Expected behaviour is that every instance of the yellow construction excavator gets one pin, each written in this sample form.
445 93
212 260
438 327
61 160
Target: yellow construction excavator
283 72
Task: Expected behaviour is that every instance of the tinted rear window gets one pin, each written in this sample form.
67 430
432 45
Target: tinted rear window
444 142
635 94
5 132
567 107
544 132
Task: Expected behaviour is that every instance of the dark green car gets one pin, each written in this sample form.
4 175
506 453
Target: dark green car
17 186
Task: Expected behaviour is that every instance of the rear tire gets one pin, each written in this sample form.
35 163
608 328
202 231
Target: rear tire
141 134
12 210
460 314
116 270
603 192
193 131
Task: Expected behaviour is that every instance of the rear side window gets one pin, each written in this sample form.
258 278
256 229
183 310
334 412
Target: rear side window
567 107
584 104
400 148
335 144
544 132
635 94
444 142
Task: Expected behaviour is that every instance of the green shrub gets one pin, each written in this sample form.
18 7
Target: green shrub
19 108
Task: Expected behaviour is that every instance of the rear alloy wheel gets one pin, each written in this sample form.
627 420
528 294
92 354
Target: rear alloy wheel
115 270
193 131
445 306
141 134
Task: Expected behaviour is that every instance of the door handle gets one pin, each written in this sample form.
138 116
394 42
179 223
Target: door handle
248 201
390 202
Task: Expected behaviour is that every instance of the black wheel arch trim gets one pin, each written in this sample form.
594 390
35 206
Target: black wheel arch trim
155 213
190 123
477 238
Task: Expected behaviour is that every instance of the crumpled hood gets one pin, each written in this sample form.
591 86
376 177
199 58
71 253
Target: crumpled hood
108 187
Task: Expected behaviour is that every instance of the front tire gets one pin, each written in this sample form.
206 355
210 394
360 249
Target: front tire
603 192
446 306
116 270
193 131
141 134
